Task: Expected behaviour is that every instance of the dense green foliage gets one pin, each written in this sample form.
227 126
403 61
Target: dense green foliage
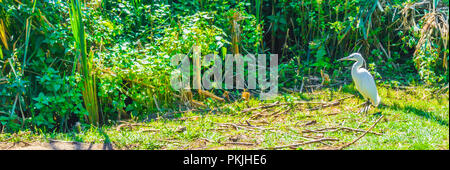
51 70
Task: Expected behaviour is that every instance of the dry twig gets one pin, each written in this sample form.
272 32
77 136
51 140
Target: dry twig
130 126
333 129
238 143
364 134
148 130
303 143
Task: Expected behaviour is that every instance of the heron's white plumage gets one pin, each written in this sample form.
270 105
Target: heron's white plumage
366 85
364 81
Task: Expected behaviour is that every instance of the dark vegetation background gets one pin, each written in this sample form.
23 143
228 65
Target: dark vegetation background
129 44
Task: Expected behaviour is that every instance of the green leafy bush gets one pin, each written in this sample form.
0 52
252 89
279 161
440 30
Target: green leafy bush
58 102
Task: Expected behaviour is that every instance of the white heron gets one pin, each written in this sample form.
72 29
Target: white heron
364 82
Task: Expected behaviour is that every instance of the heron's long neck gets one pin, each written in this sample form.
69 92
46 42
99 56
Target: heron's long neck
357 65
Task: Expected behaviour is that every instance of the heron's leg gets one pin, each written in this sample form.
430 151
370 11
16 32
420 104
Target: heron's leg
365 107
362 109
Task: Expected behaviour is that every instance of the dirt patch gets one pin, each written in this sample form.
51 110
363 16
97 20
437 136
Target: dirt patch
54 146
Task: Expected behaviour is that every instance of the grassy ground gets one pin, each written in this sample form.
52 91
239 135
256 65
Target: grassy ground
412 119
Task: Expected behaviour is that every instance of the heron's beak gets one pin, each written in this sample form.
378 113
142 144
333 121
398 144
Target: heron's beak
345 58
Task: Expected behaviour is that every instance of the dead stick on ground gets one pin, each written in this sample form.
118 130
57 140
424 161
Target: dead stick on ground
304 143
148 130
130 126
333 129
187 118
260 107
235 126
364 134
274 114
238 143
306 124
359 130
325 104
436 92
334 103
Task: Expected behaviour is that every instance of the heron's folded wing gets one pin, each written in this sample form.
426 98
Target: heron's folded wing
367 85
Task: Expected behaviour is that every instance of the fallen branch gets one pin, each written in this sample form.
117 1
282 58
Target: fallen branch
197 103
248 123
333 129
441 90
260 107
436 92
218 129
324 106
364 134
334 103
360 130
209 94
279 104
327 129
307 123
259 121
235 126
331 114
260 114
244 127
399 87
303 143
238 143
276 114
148 130
130 126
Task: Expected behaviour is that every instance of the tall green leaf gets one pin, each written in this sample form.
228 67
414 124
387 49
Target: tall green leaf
89 92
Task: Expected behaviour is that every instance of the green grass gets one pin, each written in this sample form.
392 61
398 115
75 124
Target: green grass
410 123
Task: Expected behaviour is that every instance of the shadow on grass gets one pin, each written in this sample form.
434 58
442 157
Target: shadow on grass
77 144
107 142
68 145
418 112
